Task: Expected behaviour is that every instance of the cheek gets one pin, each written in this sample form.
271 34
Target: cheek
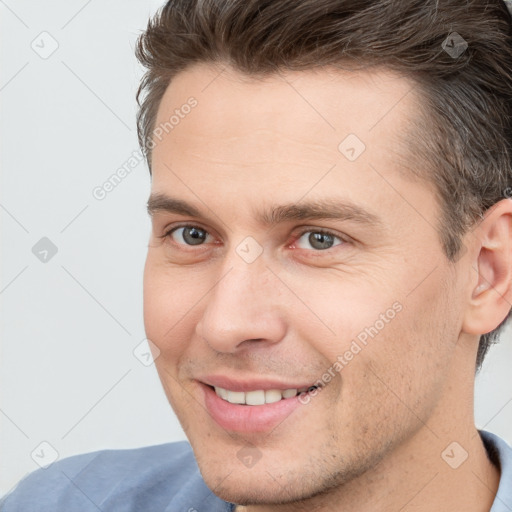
403 367
348 314
169 302
379 336
392 307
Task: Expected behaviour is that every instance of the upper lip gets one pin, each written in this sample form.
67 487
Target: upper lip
233 384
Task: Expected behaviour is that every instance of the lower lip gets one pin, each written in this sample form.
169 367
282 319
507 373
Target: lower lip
248 418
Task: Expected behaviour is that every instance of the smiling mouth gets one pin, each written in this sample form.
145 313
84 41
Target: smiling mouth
259 396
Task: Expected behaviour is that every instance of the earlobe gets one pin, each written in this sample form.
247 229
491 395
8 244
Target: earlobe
491 296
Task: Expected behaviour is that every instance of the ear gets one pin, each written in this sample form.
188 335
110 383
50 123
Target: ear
491 286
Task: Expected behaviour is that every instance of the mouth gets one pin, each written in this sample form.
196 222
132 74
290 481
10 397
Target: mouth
258 406
259 396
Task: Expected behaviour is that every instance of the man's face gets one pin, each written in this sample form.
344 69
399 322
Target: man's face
255 293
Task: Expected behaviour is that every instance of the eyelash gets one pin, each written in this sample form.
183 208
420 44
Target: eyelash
297 237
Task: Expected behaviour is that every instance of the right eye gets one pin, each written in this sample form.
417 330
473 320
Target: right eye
187 235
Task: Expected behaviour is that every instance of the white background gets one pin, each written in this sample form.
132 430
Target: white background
68 373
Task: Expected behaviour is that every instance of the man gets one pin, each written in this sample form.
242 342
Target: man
330 259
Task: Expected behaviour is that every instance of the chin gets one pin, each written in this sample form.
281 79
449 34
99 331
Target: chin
256 489
263 489
270 482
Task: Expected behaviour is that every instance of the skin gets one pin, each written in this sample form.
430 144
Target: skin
372 438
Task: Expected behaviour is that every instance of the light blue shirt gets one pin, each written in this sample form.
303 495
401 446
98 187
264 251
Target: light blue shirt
162 478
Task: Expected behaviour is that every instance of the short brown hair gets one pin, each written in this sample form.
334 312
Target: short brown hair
464 135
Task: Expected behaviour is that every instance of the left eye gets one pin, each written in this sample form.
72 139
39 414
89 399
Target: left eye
320 240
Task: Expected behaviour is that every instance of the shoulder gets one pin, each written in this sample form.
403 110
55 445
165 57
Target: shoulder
157 478
500 454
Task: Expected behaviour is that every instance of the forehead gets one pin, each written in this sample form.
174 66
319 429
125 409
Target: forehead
324 102
300 116
284 135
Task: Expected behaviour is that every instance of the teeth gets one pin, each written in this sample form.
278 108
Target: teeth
273 395
256 397
288 393
235 397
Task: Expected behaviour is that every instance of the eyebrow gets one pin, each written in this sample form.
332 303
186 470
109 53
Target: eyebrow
326 209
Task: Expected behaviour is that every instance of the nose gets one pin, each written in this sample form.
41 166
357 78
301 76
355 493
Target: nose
242 308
